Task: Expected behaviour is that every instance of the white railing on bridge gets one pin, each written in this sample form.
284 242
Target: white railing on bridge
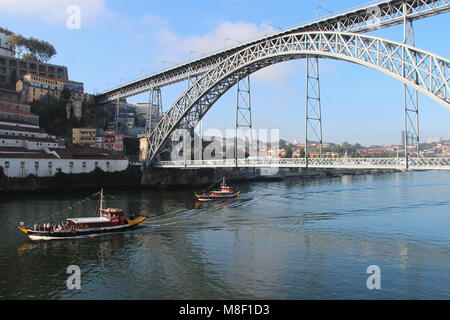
331 163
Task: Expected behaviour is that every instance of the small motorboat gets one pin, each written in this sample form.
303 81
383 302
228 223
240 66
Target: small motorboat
224 192
108 220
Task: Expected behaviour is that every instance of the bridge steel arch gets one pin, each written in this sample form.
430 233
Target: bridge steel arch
420 69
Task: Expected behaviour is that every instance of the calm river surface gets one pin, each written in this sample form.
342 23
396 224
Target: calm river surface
279 240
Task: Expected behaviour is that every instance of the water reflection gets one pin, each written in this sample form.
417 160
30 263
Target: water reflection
294 239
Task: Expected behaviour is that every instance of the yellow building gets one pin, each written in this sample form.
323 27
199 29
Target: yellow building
84 136
37 86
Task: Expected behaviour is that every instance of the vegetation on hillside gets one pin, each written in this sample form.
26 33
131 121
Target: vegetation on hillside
53 117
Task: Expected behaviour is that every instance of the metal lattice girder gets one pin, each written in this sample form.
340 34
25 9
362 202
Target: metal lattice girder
243 116
357 20
327 163
313 118
426 72
411 99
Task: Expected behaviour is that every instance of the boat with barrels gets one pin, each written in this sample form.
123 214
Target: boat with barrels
107 221
224 192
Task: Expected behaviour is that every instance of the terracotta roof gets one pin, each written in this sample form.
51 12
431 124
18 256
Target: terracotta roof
13 149
15 122
50 78
86 153
19 128
14 101
18 112
8 90
28 156
28 139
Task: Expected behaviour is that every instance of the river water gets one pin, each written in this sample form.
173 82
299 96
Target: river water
294 239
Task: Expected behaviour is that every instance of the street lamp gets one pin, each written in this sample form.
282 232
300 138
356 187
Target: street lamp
319 7
198 52
270 24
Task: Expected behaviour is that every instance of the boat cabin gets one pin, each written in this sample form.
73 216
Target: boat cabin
109 217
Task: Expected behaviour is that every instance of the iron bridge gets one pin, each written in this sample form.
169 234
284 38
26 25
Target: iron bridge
325 163
340 37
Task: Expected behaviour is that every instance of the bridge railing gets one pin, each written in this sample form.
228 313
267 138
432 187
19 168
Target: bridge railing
331 163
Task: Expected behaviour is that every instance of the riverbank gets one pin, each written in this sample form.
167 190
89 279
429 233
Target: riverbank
63 182
134 178
202 177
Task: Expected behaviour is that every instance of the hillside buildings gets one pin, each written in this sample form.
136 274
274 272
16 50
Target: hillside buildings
25 149
84 137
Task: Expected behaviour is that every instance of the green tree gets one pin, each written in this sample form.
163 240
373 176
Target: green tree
34 49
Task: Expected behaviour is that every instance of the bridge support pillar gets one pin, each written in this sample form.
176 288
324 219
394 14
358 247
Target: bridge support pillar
116 116
198 131
154 108
313 125
411 97
243 117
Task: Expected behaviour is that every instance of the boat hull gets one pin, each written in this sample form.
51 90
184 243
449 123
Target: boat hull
215 198
79 233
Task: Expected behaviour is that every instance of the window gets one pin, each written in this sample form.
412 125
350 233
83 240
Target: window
22 164
107 165
96 164
6 164
84 164
36 164
71 164
50 164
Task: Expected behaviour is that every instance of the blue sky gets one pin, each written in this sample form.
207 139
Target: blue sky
120 41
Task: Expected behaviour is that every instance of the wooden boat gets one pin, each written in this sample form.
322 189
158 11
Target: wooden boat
224 192
108 220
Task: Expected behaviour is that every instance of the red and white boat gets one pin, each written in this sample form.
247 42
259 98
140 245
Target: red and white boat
224 192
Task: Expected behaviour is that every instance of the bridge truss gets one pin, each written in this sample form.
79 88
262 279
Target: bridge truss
419 69
358 20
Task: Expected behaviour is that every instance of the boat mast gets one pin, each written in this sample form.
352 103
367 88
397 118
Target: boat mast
101 201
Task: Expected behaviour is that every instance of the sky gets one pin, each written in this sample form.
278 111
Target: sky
119 41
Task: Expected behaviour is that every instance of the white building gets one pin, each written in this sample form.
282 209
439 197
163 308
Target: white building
27 150
433 140
45 165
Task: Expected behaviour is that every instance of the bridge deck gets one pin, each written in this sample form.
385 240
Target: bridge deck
337 163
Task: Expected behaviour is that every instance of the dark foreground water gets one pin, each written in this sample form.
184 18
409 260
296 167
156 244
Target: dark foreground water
280 240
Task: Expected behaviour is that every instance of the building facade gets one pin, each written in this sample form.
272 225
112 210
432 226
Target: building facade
14 69
45 165
9 94
12 111
35 87
113 141
84 136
